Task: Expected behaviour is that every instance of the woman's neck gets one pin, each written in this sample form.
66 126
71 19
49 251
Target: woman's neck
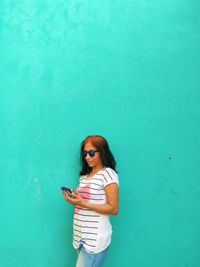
95 170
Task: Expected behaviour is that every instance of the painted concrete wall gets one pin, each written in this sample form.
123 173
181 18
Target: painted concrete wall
127 70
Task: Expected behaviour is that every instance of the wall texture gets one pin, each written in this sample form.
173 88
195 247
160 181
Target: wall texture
124 69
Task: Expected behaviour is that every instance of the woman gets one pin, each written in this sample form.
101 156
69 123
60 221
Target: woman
95 199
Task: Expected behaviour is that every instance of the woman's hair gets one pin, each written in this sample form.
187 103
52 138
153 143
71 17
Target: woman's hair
102 146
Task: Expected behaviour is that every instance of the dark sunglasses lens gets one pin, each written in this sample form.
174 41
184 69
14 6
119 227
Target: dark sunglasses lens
91 153
84 153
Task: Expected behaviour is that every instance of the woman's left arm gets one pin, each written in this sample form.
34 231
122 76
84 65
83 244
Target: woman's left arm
111 207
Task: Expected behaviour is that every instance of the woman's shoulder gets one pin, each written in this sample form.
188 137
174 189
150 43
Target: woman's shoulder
110 176
110 171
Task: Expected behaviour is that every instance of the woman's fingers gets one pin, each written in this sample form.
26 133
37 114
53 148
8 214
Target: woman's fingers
74 194
66 196
74 200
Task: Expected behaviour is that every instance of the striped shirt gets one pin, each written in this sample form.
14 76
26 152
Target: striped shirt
91 229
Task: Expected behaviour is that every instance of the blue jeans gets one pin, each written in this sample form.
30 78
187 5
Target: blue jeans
86 259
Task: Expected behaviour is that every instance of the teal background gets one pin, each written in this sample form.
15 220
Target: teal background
127 70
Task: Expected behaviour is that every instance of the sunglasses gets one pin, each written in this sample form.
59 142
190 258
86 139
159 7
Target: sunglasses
90 152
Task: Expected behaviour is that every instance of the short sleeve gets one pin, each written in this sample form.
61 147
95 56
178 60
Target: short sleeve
109 177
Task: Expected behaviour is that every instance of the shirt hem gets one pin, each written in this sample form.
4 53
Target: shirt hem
93 252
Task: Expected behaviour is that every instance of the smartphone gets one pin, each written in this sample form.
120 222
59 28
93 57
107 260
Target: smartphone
67 190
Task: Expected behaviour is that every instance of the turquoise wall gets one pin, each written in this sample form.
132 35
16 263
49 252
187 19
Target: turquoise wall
127 70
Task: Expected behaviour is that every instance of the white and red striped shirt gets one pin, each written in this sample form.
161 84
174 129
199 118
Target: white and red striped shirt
91 229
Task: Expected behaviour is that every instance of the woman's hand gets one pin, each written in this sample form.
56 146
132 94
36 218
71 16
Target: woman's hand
74 200
111 207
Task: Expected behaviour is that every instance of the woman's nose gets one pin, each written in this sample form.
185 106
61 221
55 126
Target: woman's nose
87 156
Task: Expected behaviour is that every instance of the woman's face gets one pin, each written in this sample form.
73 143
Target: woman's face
94 162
